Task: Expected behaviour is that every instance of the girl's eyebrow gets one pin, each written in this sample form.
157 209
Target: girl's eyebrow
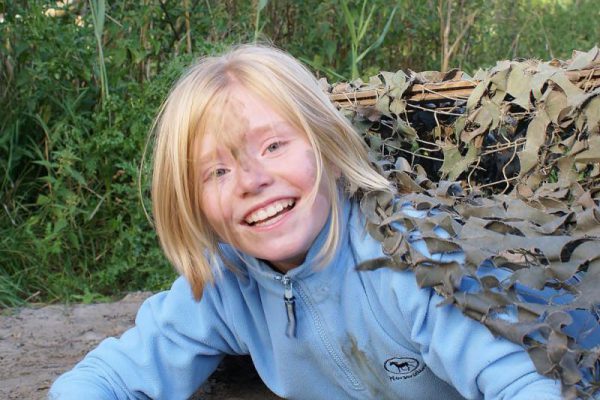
207 158
267 127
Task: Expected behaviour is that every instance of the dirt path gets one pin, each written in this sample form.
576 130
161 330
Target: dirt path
38 344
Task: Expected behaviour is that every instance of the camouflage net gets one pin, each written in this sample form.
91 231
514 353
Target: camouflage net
530 273
514 242
518 124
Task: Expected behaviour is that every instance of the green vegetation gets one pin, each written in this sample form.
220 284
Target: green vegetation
80 84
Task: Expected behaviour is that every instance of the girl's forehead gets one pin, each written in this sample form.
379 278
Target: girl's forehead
238 118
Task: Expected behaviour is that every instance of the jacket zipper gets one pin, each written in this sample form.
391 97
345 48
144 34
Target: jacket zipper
290 305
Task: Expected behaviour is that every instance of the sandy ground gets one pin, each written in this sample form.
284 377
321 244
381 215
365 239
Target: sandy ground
38 344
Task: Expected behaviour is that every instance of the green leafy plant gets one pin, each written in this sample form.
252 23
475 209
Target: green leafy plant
260 6
79 87
98 9
357 25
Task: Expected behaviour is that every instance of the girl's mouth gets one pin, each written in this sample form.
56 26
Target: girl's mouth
271 213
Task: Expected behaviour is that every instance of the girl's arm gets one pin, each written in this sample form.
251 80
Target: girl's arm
175 345
464 352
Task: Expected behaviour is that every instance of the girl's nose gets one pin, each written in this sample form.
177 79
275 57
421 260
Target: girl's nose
253 177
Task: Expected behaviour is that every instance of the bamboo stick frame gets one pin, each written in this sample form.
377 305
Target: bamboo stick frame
459 89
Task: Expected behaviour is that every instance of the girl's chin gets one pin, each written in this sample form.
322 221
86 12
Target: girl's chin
281 261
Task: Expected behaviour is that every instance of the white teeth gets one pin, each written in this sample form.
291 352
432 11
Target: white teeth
268 211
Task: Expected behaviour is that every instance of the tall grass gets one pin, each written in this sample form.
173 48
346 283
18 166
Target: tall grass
358 24
98 10
71 225
258 27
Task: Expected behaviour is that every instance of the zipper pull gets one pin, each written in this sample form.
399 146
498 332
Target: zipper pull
290 307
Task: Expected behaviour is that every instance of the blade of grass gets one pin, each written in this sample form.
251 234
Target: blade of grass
257 27
381 37
98 9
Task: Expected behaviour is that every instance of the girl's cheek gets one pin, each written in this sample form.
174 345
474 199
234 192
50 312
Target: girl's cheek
223 200
311 173
310 164
211 205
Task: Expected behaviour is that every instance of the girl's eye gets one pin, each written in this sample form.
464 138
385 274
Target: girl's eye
217 173
273 146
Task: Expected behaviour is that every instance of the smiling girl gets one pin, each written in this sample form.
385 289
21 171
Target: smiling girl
254 193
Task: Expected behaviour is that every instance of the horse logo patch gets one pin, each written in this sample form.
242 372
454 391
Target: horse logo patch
403 367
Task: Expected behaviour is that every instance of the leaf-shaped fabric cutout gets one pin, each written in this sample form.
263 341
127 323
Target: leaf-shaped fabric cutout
540 359
396 83
459 125
570 370
555 105
423 181
516 333
375 230
588 221
567 174
557 346
476 95
437 245
538 81
343 87
583 60
393 244
536 135
374 81
533 277
564 270
586 251
518 86
406 130
446 275
388 78
503 228
457 164
592 115
574 95
483 117
383 105
375 263
406 184
553 226
499 80
451 157
397 106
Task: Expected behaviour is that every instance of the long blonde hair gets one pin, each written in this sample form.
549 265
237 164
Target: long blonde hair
188 113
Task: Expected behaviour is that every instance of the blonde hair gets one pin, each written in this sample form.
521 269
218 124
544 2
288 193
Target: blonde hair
189 111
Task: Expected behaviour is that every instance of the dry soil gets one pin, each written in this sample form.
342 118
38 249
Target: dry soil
38 344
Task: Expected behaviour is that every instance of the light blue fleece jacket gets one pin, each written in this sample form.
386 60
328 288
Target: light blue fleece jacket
345 335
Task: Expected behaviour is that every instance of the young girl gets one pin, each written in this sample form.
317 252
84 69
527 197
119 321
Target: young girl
254 171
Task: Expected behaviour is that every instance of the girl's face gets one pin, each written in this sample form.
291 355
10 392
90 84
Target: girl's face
256 196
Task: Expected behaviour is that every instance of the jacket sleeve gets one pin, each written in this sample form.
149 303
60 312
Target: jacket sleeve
175 345
463 352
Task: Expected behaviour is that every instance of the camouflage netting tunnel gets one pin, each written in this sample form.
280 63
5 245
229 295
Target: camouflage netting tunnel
499 175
